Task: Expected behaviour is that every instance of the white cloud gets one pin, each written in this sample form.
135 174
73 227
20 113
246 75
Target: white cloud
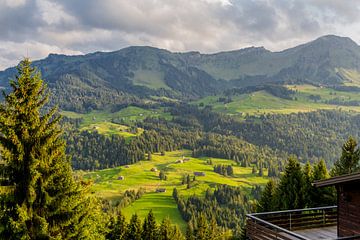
53 13
13 3
11 52
72 26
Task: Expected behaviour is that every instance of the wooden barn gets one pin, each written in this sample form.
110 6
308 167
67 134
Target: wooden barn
160 190
200 174
332 222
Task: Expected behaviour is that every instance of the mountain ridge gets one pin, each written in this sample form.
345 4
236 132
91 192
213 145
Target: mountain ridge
139 72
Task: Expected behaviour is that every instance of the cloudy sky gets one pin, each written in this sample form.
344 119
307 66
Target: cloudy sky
36 28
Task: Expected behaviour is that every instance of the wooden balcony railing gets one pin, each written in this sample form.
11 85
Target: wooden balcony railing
282 225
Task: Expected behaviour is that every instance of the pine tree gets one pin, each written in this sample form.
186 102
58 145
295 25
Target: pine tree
168 232
229 170
44 202
289 194
213 229
189 233
149 227
175 194
349 160
134 229
266 201
162 175
307 187
117 228
253 171
261 172
321 196
202 230
243 234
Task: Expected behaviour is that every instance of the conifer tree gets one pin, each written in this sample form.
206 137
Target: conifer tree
289 194
266 201
149 227
349 160
307 187
44 202
189 233
253 171
243 234
134 229
117 227
324 196
168 232
202 230
213 229
176 233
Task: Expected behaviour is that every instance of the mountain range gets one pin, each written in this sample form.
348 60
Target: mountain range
133 74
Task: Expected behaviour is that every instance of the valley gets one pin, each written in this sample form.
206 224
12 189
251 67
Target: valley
106 182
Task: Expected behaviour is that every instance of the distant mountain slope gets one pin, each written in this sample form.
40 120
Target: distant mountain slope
315 62
133 74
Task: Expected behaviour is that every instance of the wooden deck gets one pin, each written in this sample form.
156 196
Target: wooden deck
299 224
319 233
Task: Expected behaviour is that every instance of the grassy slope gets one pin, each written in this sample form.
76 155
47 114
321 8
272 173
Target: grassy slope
352 76
108 128
128 115
150 79
100 121
303 91
139 175
262 102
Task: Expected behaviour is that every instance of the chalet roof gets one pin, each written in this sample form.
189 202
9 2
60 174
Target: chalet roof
338 180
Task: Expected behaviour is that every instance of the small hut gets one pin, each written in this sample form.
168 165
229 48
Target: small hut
199 174
160 190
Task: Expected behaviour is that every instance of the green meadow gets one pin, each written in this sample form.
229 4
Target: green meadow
262 102
109 128
351 76
127 115
104 121
139 175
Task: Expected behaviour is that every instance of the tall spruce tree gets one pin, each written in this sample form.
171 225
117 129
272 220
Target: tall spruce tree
349 160
43 201
324 196
168 232
307 187
117 227
266 201
149 231
134 229
289 193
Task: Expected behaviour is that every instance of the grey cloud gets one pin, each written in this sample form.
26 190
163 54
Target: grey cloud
78 26
19 22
